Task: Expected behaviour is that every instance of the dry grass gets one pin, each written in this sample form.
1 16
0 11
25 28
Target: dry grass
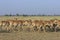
30 36
29 17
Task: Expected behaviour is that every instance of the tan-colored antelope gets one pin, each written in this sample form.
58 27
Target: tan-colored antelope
27 22
58 25
37 24
4 25
16 23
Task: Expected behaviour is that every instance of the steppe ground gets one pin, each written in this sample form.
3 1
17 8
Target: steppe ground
30 35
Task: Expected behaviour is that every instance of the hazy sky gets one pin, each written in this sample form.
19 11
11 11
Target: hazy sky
29 7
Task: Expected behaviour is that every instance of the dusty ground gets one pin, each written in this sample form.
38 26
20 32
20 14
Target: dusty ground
30 36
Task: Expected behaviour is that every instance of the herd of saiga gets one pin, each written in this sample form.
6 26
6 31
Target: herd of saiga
31 25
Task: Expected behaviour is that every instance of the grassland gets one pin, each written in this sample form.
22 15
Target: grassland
29 17
30 35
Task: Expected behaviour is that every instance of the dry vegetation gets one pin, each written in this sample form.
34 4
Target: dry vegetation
29 17
30 35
